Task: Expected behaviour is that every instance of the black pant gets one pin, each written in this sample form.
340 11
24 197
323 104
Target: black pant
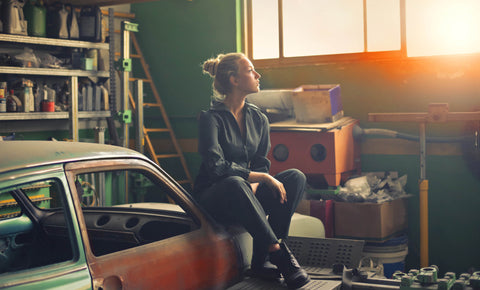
231 201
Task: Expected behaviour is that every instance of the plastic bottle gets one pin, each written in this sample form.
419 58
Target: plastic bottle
3 99
63 30
3 105
40 96
48 103
105 105
76 58
25 99
13 103
73 30
29 93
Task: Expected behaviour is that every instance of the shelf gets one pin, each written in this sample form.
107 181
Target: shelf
37 121
18 116
52 72
52 41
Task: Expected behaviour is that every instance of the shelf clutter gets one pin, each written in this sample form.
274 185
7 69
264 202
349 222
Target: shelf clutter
42 49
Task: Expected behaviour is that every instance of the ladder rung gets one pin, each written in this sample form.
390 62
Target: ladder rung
136 79
163 156
131 55
151 105
148 130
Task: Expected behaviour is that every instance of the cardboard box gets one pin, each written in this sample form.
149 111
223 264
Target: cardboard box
370 221
321 209
317 103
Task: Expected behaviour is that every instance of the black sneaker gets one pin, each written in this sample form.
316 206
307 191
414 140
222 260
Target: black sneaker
294 275
267 271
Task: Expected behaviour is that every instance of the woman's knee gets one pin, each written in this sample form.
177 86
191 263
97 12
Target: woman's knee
294 175
294 182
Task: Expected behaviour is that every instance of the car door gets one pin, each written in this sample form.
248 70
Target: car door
40 242
142 231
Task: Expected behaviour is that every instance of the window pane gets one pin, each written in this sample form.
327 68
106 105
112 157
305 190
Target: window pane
438 27
265 29
383 25
320 27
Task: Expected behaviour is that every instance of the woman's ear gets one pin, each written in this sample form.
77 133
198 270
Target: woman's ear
233 80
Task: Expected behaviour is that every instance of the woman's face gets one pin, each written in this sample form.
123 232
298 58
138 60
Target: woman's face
247 79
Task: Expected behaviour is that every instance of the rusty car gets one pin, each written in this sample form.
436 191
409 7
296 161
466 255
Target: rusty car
93 216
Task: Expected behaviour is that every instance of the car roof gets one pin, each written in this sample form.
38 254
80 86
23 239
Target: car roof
21 154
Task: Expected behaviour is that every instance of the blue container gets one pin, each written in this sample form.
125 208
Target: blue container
391 254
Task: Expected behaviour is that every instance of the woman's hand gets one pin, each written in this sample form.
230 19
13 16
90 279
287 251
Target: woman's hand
275 185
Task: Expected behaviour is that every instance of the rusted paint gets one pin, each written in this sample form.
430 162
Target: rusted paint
201 260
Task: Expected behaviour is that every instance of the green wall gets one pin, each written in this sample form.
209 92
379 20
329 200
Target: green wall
177 36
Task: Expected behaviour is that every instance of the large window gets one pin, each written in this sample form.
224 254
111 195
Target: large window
292 31
439 27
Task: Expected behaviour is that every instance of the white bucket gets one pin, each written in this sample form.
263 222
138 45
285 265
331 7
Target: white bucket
391 261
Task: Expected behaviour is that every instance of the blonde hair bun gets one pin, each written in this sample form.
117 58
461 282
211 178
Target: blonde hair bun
210 65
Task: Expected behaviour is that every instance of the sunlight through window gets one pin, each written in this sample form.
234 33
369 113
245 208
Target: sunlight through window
265 29
325 27
442 27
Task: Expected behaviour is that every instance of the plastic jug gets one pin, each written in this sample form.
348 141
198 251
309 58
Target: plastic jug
73 29
13 18
57 16
90 24
36 16
63 17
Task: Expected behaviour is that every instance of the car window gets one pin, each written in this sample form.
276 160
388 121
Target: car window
129 208
33 226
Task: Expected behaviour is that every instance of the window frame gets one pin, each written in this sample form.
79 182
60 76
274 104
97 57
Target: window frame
74 269
74 169
283 61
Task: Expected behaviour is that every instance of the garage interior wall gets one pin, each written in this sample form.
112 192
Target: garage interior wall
177 36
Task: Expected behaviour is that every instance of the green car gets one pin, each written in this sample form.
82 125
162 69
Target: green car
91 216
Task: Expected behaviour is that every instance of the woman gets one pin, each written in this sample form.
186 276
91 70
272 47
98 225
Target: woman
233 183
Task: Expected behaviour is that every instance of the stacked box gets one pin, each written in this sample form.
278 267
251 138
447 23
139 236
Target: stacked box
317 103
370 221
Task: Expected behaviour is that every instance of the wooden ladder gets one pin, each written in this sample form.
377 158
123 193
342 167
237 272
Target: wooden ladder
156 157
